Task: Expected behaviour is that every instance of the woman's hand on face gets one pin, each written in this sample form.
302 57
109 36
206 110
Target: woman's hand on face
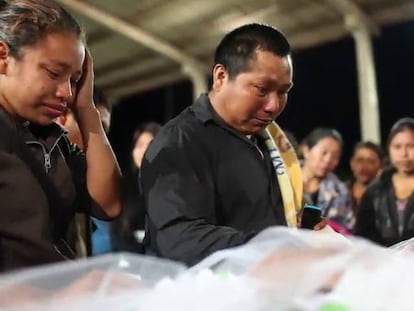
84 93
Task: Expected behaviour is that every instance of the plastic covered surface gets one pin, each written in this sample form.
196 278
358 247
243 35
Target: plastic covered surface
279 269
404 246
98 282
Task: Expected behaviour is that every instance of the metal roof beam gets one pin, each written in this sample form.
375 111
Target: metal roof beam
147 84
193 67
354 15
141 66
133 32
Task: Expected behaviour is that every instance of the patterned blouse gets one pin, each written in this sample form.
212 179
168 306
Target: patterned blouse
335 199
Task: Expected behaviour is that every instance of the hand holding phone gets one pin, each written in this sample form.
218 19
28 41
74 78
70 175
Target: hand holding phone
311 216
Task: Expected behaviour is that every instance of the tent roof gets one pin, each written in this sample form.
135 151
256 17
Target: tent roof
139 45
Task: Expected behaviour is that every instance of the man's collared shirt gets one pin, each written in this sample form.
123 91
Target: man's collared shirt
206 187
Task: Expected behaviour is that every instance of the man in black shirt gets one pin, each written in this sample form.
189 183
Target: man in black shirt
207 178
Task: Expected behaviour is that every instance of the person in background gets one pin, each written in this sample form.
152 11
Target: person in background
44 69
222 171
128 230
322 149
366 164
386 210
68 119
293 142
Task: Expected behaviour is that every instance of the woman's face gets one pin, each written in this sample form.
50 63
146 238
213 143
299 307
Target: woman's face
323 157
140 147
401 151
41 84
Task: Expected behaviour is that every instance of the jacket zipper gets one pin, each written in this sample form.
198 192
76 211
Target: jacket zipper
46 155
48 165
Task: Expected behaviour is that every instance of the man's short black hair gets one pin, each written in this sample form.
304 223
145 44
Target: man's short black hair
238 47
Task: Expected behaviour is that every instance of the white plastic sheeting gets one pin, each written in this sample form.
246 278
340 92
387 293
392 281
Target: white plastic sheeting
280 269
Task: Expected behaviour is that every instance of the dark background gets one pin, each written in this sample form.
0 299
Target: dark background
325 93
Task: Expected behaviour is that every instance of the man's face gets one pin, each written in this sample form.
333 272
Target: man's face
40 85
365 165
253 99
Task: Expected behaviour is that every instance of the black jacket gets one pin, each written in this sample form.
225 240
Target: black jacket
31 231
206 187
377 217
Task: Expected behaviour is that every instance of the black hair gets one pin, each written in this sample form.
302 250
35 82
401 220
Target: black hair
371 146
147 127
100 99
400 126
238 48
320 133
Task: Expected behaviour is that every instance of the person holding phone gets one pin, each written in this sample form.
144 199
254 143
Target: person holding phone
322 149
44 178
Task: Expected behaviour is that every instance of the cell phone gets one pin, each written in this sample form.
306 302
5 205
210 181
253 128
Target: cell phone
311 216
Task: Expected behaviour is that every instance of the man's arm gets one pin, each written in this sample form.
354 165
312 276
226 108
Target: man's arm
178 185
